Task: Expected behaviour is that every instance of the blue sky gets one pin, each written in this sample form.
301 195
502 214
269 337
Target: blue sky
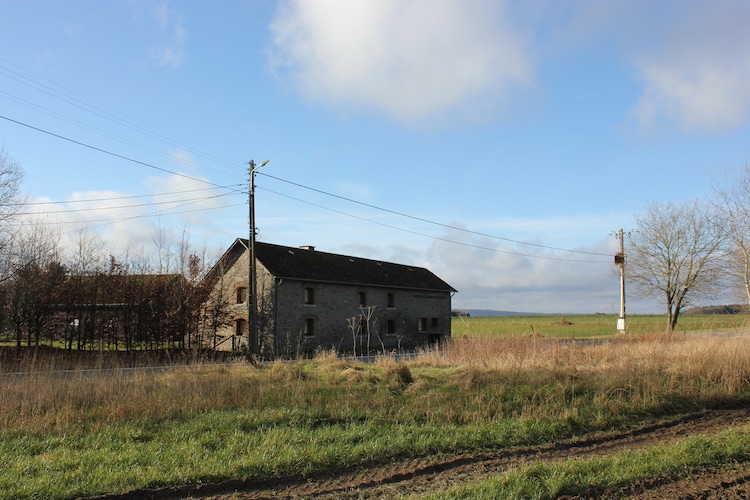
480 139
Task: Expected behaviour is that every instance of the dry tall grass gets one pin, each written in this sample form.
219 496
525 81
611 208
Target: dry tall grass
641 373
642 370
704 355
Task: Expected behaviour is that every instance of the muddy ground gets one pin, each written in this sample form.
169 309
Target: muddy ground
413 476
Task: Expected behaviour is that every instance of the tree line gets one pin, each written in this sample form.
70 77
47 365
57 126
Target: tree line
680 253
82 297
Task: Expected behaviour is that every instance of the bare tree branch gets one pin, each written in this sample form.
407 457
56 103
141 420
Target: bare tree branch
674 254
734 205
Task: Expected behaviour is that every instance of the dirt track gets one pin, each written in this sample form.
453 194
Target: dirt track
414 476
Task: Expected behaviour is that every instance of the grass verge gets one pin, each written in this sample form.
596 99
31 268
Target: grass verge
84 435
581 326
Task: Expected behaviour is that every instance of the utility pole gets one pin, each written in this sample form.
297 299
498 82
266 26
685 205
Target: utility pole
253 341
620 261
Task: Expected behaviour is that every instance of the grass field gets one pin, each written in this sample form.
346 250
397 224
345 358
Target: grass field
85 435
588 325
560 326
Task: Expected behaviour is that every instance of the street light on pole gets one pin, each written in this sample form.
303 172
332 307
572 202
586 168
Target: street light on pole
620 261
252 303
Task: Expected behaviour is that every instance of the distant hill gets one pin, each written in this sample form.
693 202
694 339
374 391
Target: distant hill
721 309
492 312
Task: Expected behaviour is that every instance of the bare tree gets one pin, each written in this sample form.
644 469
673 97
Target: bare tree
211 301
673 254
163 243
355 327
733 202
36 270
11 176
367 313
87 253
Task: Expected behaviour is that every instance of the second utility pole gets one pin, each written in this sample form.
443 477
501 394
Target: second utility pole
620 260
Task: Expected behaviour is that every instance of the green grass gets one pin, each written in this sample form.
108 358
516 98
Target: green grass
594 477
66 437
220 445
587 325
558 326
316 416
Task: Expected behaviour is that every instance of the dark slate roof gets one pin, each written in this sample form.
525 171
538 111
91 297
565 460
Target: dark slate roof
312 265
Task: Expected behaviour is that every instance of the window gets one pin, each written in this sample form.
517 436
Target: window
390 300
309 296
422 324
242 295
308 328
390 326
240 327
362 299
434 322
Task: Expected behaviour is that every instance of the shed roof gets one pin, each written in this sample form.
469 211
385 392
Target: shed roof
307 264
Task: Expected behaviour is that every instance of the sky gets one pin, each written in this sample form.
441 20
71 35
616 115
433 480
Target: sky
500 144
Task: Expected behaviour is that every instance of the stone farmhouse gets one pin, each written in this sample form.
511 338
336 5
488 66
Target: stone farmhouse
308 300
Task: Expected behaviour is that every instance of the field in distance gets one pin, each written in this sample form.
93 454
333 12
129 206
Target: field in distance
590 325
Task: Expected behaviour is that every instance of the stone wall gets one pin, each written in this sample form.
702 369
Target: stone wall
399 319
341 323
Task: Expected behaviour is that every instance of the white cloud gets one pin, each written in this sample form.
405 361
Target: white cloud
528 281
173 53
697 78
126 224
489 274
186 203
184 159
421 60
409 59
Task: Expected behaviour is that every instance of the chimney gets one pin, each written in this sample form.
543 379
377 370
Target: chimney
308 247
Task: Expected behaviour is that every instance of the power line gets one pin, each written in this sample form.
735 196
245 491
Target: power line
120 207
116 155
106 222
116 198
436 237
421 219
100 110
